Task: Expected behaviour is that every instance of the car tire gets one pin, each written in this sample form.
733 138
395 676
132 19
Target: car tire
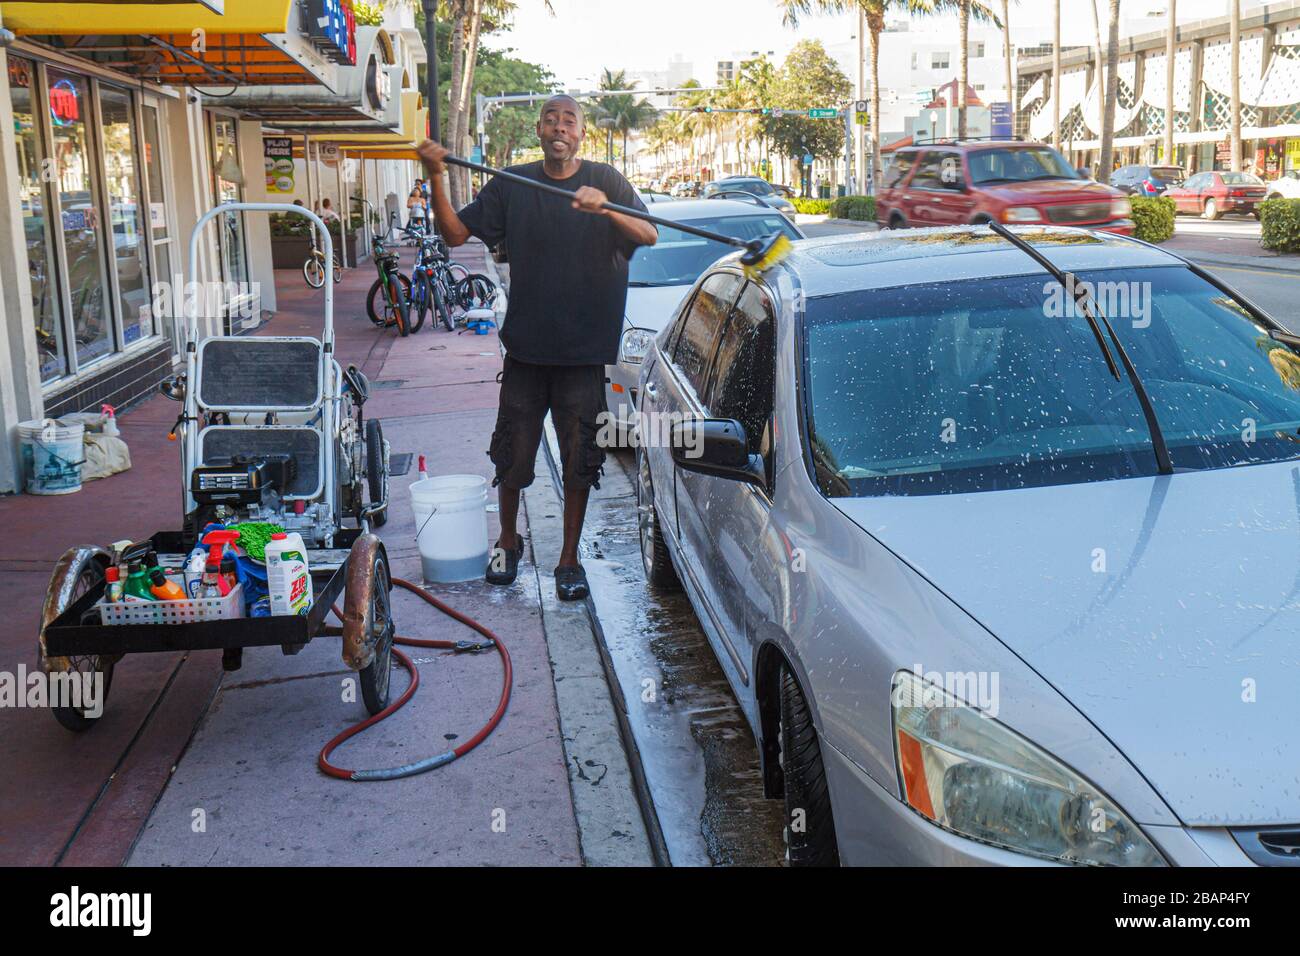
810 825
1211 210
658 564
896 221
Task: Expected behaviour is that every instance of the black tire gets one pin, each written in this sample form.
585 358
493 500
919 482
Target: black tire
442 307
399 301
338 272
377 306
376 677
810 827
86 572
418 310
376 470
313 270
896 221
658 564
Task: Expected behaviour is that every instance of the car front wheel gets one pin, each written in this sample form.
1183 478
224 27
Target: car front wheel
1211 210
659 570
809 825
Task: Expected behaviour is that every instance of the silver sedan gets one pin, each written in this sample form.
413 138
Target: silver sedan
999 574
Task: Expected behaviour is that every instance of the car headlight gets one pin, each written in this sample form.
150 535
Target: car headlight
1021 214
1121 208
635 345
974 776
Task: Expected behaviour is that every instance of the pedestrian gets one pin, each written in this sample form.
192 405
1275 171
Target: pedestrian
568 275
415 209
327 212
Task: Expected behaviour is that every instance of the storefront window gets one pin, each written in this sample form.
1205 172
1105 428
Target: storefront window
36 221
129 249
225 163
80 216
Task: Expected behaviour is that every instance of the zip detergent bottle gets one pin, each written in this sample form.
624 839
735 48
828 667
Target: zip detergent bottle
288 578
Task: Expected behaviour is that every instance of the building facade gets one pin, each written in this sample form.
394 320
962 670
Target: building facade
1269 63
120 126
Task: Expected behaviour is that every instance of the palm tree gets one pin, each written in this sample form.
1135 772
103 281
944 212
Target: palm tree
1169 83
1056 73
1112 94
965 10
621 112
1006 53
874 12
1234 31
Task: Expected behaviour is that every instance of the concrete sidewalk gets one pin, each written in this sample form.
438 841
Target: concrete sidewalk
190 766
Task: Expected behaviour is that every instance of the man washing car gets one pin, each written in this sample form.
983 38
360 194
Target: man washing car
568 271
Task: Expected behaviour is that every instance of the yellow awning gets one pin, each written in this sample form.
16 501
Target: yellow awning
123 19
382 153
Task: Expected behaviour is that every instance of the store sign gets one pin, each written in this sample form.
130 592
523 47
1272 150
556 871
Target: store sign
332 25
1000 121
65 107
278 153
379 87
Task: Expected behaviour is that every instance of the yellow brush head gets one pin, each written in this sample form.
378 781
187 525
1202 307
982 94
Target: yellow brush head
763 254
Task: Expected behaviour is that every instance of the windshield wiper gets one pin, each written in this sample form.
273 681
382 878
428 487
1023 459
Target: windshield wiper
1079 292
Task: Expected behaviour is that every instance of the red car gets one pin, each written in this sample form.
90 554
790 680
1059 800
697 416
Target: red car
1210 195
954 182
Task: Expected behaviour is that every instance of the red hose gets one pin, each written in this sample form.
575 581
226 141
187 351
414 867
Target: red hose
394 773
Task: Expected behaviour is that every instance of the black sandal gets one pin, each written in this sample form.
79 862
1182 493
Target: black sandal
571 583
503 565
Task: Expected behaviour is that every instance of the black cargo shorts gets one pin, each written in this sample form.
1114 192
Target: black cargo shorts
575 397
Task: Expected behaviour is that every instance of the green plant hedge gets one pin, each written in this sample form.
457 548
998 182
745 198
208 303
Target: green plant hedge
861 208
811 207
1280 224
1153 218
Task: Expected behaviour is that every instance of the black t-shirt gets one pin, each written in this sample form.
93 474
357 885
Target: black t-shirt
568 269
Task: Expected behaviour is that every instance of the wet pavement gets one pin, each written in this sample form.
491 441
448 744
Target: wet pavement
700 759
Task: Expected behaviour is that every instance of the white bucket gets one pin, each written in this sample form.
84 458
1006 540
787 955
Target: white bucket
52 454
451 527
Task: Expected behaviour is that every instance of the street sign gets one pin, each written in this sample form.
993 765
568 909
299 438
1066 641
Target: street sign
476 155
862 106
924 97
1000 122
822 114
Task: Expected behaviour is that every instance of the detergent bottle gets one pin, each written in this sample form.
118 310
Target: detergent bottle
288 578
137 583
164 589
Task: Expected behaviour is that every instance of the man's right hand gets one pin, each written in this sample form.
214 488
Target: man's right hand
432 154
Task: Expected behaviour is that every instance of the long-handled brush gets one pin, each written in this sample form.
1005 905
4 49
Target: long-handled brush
760 254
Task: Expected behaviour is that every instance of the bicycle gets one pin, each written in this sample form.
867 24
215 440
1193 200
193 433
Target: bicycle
388 302
313 270
436 282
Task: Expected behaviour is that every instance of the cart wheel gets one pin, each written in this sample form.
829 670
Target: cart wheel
376 618
77 571
377 470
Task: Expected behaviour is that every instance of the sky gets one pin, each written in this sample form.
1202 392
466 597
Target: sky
586 36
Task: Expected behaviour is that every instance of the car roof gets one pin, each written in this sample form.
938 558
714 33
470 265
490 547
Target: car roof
680 210
889 258
972 144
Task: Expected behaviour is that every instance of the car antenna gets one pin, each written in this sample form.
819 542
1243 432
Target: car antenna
1083 299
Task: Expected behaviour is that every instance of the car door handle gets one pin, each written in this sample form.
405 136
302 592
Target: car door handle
651 392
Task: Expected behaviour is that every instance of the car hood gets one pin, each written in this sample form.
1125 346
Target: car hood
1052 190
1167 610
653 307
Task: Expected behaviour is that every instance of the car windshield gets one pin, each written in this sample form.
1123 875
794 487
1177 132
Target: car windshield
1241 179
998 383
1020 164
755 187
679 258
1166 174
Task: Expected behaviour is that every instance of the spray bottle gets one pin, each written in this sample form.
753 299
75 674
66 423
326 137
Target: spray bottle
113 590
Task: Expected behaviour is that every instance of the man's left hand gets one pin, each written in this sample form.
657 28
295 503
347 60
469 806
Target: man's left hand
590 199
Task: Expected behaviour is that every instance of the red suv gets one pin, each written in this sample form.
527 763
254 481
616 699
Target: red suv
954 182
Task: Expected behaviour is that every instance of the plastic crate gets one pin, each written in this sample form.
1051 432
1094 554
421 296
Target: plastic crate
189 611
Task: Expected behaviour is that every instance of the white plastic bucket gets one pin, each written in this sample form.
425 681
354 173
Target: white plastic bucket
451 527
52 454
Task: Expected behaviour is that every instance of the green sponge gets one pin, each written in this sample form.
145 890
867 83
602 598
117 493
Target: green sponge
254 536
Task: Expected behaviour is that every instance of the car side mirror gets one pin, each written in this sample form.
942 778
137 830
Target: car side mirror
1084 172
717 447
